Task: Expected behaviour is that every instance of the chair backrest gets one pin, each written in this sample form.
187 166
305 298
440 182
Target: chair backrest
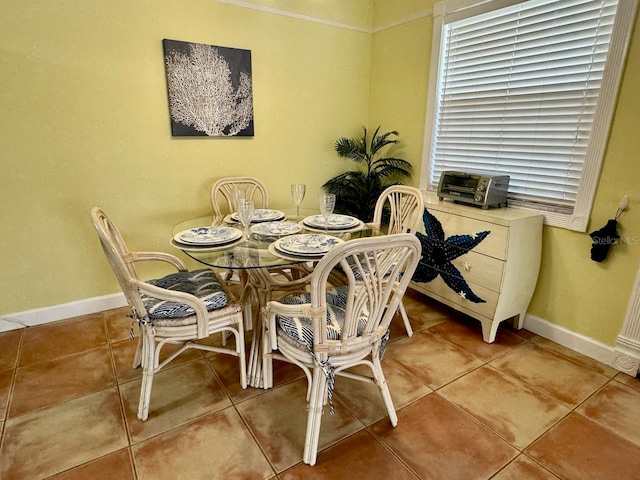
378 271
119 257
223 189
406 205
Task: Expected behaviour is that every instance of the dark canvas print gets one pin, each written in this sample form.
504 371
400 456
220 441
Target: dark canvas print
210 89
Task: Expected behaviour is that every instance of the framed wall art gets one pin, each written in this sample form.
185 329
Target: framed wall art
210 90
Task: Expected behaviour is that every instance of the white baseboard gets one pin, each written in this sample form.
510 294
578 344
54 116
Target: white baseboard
579 343
54 313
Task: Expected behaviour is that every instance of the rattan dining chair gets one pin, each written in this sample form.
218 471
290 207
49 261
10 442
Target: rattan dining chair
399 210
223 189
179 308
326 332
276 280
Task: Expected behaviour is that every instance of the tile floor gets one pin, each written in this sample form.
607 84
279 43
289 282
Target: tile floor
520 408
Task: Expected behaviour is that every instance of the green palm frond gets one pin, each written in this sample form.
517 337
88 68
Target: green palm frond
382 141
350 148
357 191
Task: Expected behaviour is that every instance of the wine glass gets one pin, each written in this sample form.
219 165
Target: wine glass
245 213
297 193
327 203
238 194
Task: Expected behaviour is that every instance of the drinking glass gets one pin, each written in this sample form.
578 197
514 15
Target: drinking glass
245 213
238 194
327 204
297 193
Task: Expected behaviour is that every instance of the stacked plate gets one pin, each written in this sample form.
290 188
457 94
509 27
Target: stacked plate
206 237
336 222
305 246
275 229
261 215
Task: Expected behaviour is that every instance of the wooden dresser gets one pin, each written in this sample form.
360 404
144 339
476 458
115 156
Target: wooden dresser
498 273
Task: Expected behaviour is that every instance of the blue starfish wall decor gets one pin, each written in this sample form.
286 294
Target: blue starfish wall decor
438 253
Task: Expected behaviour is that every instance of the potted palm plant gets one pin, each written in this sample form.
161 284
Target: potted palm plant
358 190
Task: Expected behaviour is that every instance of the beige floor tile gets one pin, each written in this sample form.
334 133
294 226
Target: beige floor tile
360 456
57 438
6 377
629 381
513 410
46 383
119 325
228 370
432 359
466 333
55 340
560 376
115 466
124 351
365 400
217 446
9 343
579 449
577 358
616 407
278 419
523 468
179 395
436 440
424 312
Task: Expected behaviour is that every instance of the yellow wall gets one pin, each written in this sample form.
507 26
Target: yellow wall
573 292
85 122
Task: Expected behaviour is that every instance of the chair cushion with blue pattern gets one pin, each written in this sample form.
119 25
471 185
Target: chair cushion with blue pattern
299 330
203 284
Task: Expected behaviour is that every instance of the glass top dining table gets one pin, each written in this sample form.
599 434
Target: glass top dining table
254 259
257 250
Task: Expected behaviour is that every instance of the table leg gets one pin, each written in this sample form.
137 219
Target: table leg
260 283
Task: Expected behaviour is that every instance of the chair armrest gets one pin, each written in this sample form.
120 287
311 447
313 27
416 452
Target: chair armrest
202 315
273 309
157 256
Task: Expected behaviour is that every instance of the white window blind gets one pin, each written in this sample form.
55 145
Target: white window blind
518 91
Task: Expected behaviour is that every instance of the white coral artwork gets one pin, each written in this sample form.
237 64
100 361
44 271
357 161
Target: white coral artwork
210 89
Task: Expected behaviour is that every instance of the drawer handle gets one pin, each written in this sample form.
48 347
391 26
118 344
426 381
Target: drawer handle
467 266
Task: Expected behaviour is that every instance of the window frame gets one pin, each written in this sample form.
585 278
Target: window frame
612 78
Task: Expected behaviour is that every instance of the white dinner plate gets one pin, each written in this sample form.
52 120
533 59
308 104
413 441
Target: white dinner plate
261 215
336 221
204 248
273 229
308 244
207 236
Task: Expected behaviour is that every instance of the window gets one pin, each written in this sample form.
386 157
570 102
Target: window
527 88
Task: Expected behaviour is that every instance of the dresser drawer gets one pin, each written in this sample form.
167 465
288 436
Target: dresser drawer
438 289
494 245
481 270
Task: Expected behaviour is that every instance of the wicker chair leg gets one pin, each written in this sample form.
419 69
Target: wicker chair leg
314 418
384 390
267 360
405 319
137 358
241 354
149 367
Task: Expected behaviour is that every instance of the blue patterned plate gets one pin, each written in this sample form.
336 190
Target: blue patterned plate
275 229
336 221
307 244
262 215
208 235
